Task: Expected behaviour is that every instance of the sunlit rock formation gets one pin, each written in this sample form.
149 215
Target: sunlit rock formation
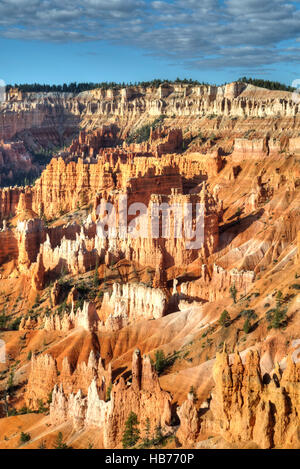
144 397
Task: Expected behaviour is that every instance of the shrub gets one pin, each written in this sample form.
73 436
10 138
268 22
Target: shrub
3 321
225 319
108 392
14 326
160 361
247 326
276 317
96 280
24 410
279 299
147 440
238 214
10 383
249 314
143 133
24 437
158 438
42 408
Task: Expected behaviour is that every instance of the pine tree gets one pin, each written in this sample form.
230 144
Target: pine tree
131 433
59 442
108 392
225 318
158 438
247 326
233 292
279 318
279 299
96 275
147 432
10 383
24 437
160 361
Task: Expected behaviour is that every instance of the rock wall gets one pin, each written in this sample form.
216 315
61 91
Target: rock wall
46 111
9 245
49 120
189 422
15 158
9 199
212 286
30 234
258 149
131 302
247 406
157 233
244 149
42 379
144 397
86 318
76 256
42 112
44 375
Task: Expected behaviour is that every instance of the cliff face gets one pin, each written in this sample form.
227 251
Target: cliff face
247 406
43 113
157 181
9 199
212 285
14 158
46 111
50 120
144 397
42 379
44 375
87 283
131 302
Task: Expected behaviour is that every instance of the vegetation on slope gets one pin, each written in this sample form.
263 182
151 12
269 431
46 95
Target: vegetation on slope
143 133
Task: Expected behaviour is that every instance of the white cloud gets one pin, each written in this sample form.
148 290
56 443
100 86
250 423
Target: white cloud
204 33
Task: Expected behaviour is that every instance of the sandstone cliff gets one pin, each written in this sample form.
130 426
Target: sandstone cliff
144 397
247 406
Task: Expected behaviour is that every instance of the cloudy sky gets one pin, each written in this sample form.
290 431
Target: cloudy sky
55 41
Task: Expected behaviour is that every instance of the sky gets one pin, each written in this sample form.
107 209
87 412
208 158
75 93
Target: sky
55 41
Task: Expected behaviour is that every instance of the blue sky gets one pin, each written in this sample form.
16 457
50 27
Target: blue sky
50 41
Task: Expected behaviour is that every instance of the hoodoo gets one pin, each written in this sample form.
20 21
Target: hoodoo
149 267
